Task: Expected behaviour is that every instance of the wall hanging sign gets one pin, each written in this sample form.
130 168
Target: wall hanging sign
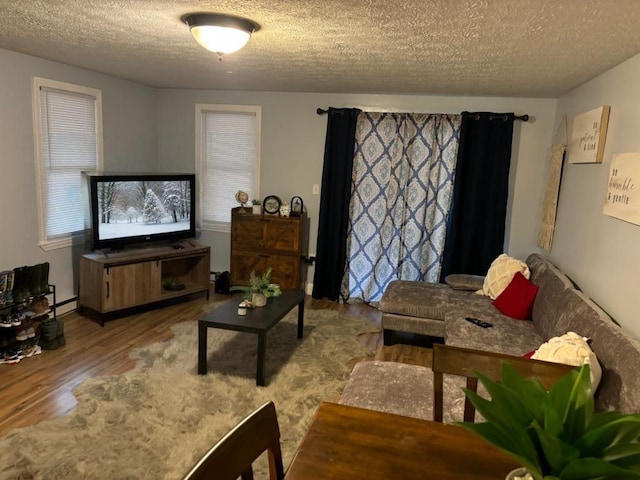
588 136
623 189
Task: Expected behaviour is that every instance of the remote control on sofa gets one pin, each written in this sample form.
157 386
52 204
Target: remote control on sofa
478 322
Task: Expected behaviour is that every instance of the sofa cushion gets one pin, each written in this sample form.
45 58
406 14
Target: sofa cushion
419 325
391 387
462 281
425 300
403 389
500 273
516 301
508 336
571 349
618 355
551 298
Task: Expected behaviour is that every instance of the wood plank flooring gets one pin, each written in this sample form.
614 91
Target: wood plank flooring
40 387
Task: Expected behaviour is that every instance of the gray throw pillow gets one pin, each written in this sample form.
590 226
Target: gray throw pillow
462 281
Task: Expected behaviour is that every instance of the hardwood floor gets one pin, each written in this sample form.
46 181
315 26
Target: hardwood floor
40 387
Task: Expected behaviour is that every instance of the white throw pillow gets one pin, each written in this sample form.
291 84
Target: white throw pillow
500 274
571 349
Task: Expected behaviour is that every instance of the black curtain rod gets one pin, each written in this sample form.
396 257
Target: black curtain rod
497 116
524 118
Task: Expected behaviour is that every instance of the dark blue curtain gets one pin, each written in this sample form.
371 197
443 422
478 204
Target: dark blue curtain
475 233
334 202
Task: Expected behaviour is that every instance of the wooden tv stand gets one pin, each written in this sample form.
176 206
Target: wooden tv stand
114 281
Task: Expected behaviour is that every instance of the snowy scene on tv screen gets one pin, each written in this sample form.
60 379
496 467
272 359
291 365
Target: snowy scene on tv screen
133 208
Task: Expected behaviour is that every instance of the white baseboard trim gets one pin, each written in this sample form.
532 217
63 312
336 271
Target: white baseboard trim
67 307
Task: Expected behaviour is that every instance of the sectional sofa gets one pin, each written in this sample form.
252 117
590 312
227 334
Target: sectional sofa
440 310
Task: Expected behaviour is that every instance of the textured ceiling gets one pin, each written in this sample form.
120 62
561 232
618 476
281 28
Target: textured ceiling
536 48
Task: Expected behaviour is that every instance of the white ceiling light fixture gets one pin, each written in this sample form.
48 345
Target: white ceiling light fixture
220 33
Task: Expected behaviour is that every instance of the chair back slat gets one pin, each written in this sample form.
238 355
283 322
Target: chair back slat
469 411
438 394
466 362
233 455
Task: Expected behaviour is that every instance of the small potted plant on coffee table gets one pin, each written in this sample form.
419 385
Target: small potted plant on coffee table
555 434
259 289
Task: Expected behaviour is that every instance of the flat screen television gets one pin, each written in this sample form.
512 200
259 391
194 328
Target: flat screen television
137 208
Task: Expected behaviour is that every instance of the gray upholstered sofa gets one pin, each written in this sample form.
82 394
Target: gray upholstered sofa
439 310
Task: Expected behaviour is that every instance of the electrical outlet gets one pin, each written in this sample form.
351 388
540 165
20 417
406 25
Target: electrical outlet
316 189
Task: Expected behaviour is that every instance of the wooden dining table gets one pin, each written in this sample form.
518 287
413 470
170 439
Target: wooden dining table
346 443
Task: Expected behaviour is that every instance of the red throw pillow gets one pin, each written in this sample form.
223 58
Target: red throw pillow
516 301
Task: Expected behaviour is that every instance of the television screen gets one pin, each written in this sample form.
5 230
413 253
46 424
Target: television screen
140 208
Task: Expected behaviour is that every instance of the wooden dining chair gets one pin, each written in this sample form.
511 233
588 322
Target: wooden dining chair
465 362
234 454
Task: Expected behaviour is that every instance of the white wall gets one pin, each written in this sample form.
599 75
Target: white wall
129 127
598 252
293 147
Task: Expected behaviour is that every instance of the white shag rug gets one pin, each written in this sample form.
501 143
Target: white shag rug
156 421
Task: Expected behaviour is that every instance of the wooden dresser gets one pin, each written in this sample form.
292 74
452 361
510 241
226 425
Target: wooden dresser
262 241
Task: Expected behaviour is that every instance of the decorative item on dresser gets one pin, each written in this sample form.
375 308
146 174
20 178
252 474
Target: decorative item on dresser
271 204
242 198
256 206
262 242
297 205
285 209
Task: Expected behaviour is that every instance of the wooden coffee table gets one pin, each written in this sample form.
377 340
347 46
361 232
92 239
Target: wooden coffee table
257 320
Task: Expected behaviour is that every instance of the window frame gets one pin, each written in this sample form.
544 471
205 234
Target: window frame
202 109
71 238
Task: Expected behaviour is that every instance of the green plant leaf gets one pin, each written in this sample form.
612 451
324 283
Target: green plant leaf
594 469
602 418
513 407
555 452
239 288
527 457
507 433
572 395
625 455
551 418
498 414
530 389
623 429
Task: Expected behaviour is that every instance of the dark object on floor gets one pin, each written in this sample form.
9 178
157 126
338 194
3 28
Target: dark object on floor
393 337
222 283
52 334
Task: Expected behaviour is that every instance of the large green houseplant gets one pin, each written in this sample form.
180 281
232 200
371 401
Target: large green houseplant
556 434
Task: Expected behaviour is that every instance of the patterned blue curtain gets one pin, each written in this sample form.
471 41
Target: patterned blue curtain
402 186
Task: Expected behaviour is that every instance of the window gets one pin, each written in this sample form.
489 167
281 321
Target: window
68 140
227 160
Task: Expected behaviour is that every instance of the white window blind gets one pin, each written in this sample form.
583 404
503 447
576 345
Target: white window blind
69 142
229 161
